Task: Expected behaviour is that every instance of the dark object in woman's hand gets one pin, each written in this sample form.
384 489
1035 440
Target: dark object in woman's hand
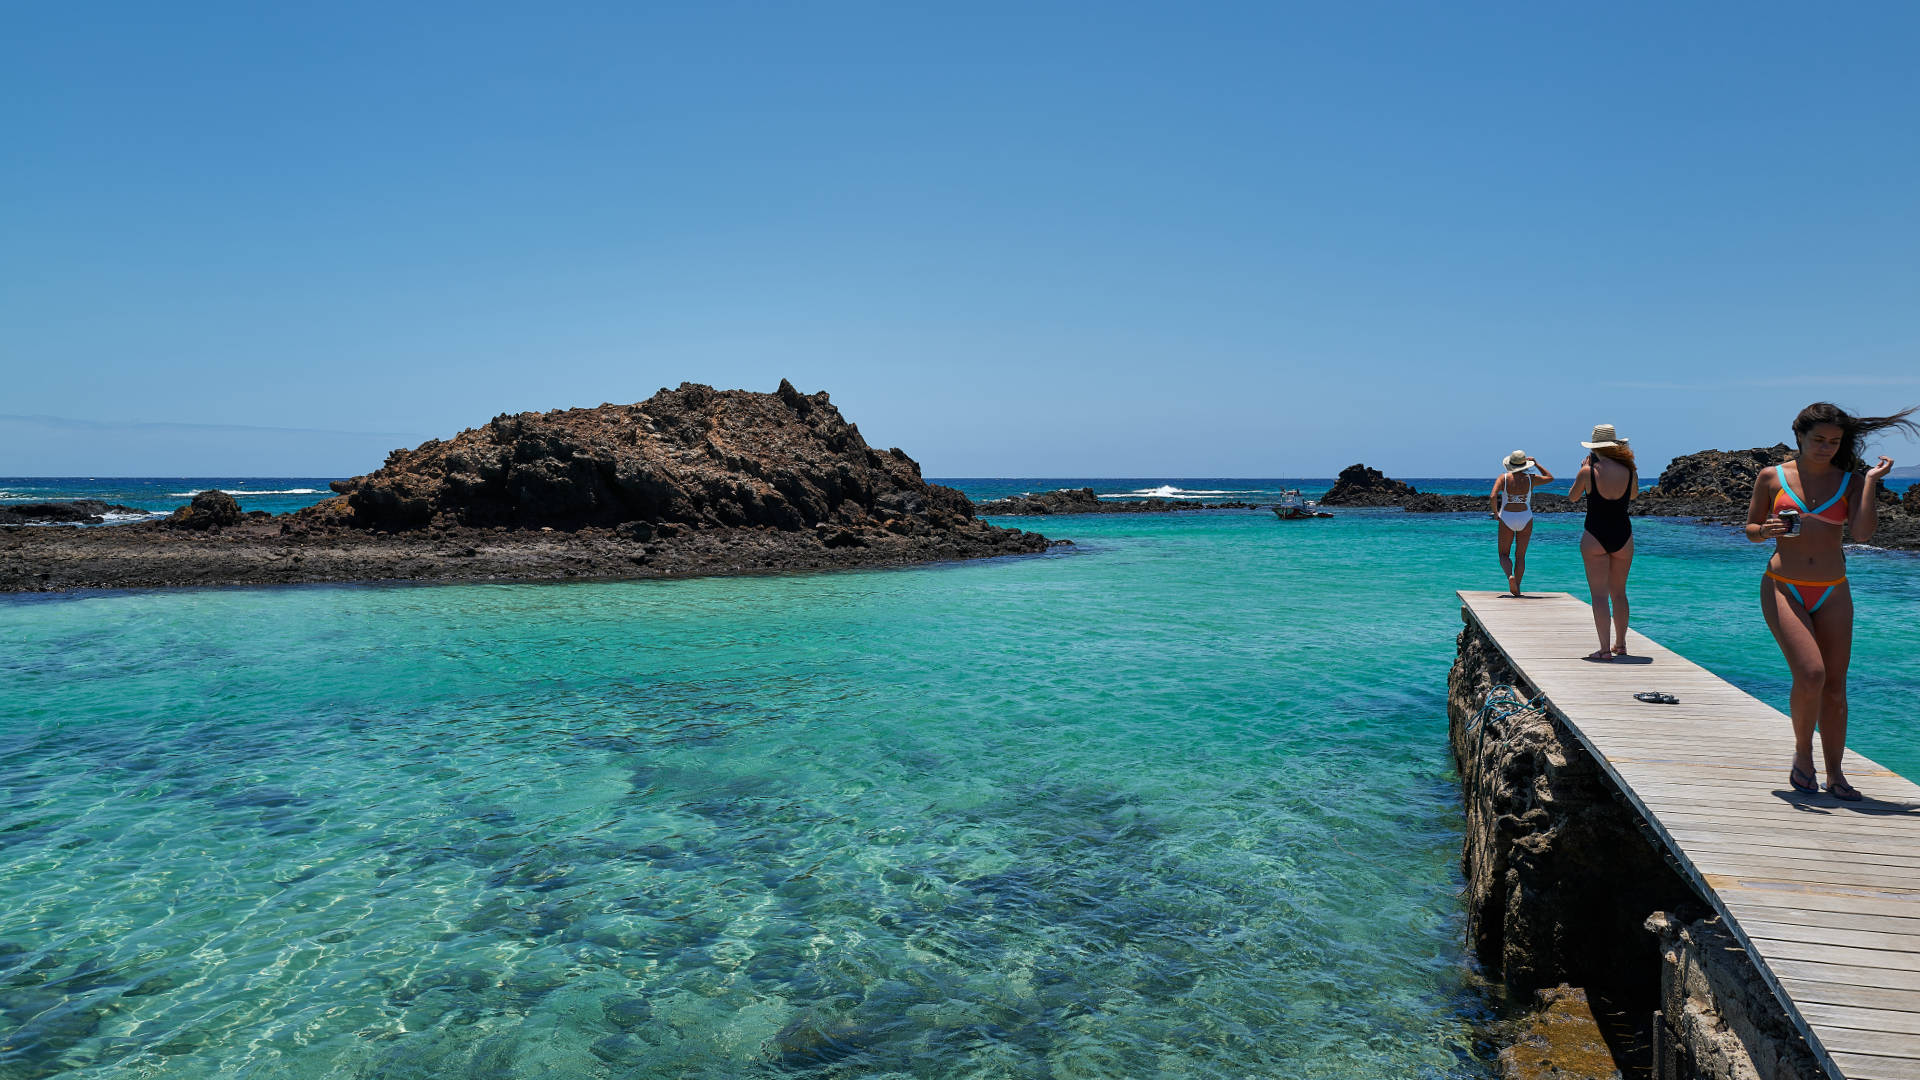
1791 519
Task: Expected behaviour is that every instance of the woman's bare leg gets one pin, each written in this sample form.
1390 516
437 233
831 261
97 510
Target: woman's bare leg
1794 631
1599 588
1520 541
1506 562
1618 564
1833 634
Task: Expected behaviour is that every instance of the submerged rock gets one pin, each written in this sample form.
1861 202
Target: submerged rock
1561 1040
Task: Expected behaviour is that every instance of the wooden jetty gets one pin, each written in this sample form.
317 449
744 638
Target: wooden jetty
1823 894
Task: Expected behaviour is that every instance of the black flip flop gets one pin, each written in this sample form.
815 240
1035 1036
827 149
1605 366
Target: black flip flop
1655 697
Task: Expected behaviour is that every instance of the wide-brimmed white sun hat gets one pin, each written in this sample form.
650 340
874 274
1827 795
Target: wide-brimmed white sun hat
1515 462
1604 435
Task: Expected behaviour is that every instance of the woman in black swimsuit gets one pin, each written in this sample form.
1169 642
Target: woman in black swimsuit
1607 545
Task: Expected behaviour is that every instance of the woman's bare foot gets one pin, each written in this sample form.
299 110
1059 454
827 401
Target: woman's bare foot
1513 586
1600 656
1620 649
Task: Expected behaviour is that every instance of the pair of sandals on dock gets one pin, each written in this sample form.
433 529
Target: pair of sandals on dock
1805 782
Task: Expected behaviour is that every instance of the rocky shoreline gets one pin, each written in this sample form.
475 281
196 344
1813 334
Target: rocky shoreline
40 559
692 481
75 512
1712 486
1084 501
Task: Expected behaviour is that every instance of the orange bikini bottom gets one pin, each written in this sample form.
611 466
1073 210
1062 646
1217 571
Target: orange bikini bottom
1826 589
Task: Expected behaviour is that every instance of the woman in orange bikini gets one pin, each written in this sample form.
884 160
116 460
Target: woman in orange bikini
1803 504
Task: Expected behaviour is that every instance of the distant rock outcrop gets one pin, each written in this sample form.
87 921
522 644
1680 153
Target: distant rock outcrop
694 457
1714 478
75 512
1358 485
208 510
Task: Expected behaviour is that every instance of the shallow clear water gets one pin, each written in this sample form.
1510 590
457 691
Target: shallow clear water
1173 802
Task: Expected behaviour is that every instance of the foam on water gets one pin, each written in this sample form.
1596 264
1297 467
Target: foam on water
1168 491
244 491
1176 804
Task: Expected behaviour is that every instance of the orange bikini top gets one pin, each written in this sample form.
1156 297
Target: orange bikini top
1833 511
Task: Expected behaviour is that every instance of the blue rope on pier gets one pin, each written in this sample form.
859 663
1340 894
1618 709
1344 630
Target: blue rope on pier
1503 701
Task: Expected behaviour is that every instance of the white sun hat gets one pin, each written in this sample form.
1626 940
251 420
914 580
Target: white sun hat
1604 435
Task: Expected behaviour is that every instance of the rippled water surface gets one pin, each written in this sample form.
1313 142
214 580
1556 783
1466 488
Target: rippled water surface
1175 802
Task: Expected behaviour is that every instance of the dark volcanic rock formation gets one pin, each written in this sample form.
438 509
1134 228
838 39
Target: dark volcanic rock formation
691 481
694 456
1710 482
1544 502
1358 485
1084 501
208 510
1716 485
76 512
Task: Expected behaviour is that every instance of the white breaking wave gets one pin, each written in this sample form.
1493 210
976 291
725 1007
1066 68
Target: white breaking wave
237 491
1168 491
114 517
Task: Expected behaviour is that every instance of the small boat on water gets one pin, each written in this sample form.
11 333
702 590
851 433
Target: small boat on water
1292 507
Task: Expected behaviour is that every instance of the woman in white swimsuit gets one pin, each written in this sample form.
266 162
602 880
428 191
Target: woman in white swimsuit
1513 507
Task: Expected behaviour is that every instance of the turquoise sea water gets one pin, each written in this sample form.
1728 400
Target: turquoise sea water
1172 802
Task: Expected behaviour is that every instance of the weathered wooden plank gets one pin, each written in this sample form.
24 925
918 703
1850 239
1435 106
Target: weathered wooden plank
1811 829
1856 1040
1797 970
1810 992
1711 864
1823 900
1873 1067
1765 847
1879 940
1775 804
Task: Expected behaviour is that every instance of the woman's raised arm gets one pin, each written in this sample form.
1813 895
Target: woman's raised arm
1866 504
1580 481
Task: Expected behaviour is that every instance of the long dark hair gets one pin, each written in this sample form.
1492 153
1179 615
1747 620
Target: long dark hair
1851 428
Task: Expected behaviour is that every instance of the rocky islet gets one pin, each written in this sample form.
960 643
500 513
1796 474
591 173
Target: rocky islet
691 481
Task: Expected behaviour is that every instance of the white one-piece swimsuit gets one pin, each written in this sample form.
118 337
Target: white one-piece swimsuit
1516 515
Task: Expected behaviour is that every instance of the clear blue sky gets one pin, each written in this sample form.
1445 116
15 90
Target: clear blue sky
1021 239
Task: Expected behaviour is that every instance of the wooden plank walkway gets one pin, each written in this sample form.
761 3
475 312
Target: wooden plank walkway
1824 895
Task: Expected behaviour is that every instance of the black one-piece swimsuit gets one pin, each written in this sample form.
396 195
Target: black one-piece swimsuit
1607 518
